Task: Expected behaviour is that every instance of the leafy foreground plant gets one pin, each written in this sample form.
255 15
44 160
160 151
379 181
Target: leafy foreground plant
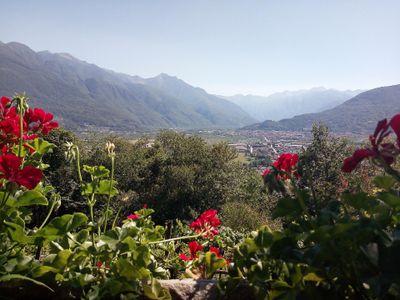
349 249
75 255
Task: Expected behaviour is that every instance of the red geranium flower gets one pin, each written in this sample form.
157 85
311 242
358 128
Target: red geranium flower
9 130
28 177
194 247
395 124
133 217
99 264
37 120
207 224
287 163
350 163
9 122
6 110
216 251
265 172
385 151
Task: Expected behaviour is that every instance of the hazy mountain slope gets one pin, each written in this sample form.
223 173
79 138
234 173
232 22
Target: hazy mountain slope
82 94
198 100
291 103
359 114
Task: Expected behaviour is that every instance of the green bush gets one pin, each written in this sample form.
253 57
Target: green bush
347 248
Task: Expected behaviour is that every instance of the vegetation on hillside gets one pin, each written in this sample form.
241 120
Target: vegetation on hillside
105 219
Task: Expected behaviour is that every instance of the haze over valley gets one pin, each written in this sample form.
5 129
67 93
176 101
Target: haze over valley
84 96
291 103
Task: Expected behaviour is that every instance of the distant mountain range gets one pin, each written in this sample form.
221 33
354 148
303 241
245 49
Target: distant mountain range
357 115
83 95
291 103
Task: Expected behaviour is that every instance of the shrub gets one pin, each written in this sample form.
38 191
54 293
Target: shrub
245 217
347 249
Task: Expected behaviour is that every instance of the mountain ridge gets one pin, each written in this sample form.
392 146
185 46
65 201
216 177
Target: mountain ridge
356 115
287 104
83 95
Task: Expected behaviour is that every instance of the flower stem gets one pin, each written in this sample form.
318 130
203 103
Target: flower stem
109 193
78 164
48 215
6 195
21 125
116 217
176 239
92 221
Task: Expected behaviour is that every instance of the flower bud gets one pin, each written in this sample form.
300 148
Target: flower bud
70 153
110 147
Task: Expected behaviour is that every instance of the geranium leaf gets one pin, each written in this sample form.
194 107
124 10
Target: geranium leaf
154 290
287 207
29 198
10 277
96 171
41 146
61 225
17 233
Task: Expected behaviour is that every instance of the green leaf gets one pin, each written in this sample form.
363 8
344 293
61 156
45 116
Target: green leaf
154 290
41 146
390 199
42 270
61 259
130 272
212 263
99 188
264 238
17 233
16 151
287 207
110 239
312 277
384 182
360 200
29 198
97 171
104 187
9 277
59 226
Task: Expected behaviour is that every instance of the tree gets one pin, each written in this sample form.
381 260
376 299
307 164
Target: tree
320 165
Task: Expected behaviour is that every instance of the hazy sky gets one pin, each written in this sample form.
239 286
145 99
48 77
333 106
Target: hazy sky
226 47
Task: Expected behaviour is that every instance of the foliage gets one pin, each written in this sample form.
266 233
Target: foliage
84 255
242 216
320 165
178 175
347 249
330 246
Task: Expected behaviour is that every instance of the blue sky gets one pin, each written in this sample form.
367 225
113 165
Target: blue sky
225 47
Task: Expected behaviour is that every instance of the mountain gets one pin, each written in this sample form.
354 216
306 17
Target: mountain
357 115
83 95
291 103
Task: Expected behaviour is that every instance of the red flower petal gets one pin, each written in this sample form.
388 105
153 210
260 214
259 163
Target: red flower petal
194 247
395 124
29 177
216 251
184 257
350 163
266 172
133 217
207 223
